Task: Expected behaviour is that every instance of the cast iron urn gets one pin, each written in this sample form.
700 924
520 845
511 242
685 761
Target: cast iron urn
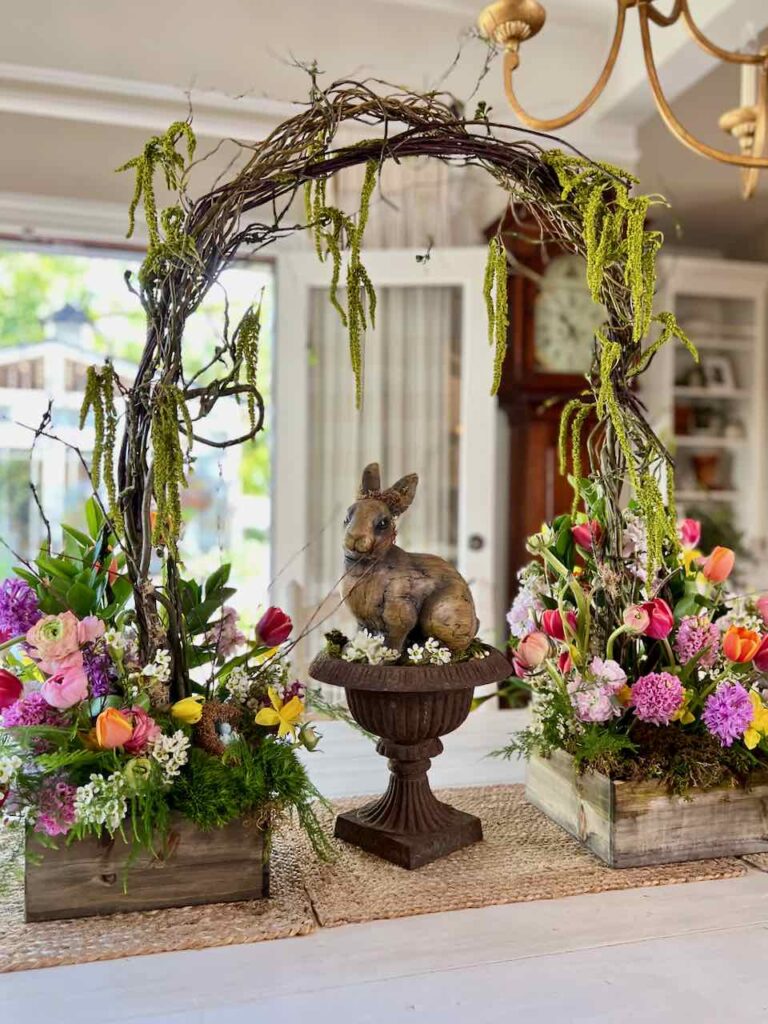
410 707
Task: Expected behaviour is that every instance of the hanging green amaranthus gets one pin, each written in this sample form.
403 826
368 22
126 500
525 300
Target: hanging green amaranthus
495 295
99 398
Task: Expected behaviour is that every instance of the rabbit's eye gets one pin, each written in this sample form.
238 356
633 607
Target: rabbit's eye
380 525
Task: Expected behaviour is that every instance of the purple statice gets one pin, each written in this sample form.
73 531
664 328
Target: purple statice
99 669
728 712
19 610
296 689
657 697
30 710
56 807
697 633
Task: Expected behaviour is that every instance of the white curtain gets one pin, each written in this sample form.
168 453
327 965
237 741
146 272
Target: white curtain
409 423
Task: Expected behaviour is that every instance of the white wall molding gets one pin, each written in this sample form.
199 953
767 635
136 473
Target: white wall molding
102 99
48 218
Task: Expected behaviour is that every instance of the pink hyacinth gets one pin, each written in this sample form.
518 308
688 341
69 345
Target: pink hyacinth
656 697
696 634
56 808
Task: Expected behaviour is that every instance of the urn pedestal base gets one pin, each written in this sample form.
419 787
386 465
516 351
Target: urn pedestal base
410 707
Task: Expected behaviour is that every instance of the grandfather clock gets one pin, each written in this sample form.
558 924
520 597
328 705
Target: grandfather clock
552 322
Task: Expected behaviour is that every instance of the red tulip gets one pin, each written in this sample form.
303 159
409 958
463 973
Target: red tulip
10 689
719 566
274 627
689 531
661 619
565 662
552 623
760 660
587 535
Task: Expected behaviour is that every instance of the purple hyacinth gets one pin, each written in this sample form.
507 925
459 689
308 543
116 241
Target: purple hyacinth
99 669
19 610
728 712
31 710
295 689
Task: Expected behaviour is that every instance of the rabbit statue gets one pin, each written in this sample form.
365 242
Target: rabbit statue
392 592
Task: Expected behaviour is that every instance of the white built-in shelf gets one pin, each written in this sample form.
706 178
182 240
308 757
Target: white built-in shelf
704 496
721 344
680 391
704 441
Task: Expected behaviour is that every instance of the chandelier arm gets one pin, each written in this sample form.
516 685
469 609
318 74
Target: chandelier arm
671 120
554 123
664 20
730 56
750 176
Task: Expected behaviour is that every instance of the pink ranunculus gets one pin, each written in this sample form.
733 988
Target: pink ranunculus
760 660
587 535
10 689
274 627
762 608
637 619
661 619
145 729
89 629
552 623
65 688
689 532
54 642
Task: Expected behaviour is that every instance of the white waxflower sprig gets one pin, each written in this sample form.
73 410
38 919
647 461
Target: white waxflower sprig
370 648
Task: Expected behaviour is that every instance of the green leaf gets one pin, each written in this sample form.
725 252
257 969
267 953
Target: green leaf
217 579
58 567
77 535
81 599
24 574
94 517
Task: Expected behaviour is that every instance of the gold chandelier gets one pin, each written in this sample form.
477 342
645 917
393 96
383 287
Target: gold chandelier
508 23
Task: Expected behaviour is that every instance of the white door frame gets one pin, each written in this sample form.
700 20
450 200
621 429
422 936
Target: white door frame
464 268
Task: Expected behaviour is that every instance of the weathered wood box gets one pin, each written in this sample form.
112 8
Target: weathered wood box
627 824
87 878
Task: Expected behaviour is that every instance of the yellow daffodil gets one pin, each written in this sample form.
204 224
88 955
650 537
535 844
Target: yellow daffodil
690 558
189 710
266 655
284 716
758 727
683 715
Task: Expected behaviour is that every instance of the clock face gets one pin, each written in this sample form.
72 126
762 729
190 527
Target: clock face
566 319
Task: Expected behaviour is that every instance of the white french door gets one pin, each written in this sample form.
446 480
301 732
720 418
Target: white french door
426 409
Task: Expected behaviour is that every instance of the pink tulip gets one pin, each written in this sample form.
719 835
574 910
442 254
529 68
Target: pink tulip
587 535
552 623
762 608
689 531
65 688
760 660
533 650
10 689
661 619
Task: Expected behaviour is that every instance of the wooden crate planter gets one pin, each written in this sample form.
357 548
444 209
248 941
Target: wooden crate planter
86 878
628 824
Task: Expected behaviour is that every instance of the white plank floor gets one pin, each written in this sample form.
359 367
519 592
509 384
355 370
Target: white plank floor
677 953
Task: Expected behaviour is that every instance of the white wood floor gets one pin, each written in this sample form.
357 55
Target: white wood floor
689 953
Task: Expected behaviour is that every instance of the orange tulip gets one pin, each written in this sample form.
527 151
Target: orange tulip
113 729
740 644
719 565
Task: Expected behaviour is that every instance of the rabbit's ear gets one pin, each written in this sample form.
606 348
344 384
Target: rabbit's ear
405 490
371 478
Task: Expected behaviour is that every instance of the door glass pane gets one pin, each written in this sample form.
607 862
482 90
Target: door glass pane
409 423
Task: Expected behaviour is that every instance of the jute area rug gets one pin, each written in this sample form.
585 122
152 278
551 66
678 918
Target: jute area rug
523 857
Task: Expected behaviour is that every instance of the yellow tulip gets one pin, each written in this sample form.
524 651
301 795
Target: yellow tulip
758 727
189 710
284 716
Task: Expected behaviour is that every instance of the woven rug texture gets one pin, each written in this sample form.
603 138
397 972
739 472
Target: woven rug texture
523 857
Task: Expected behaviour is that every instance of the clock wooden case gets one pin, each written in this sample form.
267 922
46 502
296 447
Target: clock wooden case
552 320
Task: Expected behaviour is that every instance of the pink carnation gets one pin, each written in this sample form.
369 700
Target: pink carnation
656 697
